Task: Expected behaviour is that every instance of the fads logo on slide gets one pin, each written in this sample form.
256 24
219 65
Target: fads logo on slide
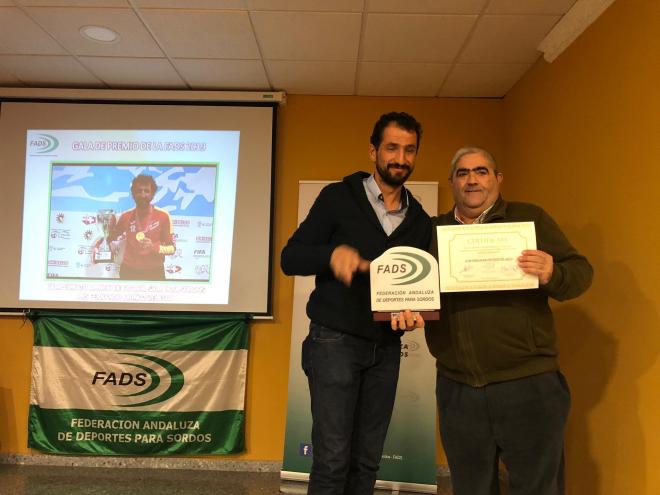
410 269
145 375
43 143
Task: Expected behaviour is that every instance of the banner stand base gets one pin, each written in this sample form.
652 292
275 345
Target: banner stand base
295 483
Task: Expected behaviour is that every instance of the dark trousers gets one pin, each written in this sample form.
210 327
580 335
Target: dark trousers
352 383
520 421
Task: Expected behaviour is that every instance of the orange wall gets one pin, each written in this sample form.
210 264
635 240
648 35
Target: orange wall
15 360
318 138
583 140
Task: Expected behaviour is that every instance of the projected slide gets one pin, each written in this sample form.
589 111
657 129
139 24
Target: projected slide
95 224
129 216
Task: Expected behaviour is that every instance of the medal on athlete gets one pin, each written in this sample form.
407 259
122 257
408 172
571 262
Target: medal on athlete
140 236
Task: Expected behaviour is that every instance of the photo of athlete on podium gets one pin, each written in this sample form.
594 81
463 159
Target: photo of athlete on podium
142 236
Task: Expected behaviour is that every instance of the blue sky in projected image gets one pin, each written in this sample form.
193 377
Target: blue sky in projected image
182 190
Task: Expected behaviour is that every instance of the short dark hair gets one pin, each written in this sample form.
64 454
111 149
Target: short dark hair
400 119
469 150
144 179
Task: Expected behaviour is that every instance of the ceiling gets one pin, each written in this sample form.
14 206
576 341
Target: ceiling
444 48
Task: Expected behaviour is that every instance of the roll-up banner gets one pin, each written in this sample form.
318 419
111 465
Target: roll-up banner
409 455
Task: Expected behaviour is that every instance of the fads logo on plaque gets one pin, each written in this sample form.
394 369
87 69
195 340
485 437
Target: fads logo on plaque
405 278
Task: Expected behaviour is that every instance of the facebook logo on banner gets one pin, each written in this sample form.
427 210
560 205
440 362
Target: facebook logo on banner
305 449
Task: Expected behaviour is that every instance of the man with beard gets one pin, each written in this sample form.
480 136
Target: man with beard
146 232
352 362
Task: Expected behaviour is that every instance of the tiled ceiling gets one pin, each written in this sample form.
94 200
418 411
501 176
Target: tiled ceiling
446 48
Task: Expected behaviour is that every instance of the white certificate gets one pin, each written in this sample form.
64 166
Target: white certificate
480 257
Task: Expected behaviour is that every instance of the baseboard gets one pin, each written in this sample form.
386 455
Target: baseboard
214 464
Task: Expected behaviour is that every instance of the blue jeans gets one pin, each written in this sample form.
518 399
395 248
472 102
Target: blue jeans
352 383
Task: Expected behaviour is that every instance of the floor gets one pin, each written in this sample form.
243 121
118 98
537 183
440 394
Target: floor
58 480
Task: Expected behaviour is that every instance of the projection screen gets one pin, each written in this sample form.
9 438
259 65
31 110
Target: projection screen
81 232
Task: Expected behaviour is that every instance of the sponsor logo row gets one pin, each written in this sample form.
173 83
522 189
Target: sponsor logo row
87 249
177 222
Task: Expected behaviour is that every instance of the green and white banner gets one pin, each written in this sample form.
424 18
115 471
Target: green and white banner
138 386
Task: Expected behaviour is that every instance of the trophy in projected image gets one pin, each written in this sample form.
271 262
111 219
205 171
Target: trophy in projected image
105 220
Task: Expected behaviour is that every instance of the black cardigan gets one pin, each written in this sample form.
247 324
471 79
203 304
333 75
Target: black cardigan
342 214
